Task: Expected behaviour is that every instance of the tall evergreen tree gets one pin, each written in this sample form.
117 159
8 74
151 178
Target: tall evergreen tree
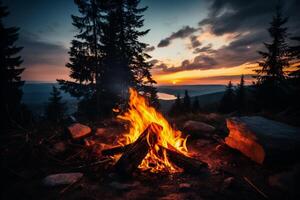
196 105
176 108
125 54
227 103
10 71
107 58
85 56
295 53
275 59
241 95
186 102
55 110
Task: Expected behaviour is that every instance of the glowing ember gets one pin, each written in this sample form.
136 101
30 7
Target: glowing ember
139 116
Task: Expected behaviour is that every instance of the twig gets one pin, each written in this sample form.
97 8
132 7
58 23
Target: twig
255 188
69 186
95 163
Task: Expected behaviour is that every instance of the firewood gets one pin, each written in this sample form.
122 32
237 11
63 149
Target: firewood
190 165
114 150
136 152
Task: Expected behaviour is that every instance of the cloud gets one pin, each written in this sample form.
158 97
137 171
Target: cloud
184 32
195 42
37 52
206 49
149 49
246 21
201 62
238 16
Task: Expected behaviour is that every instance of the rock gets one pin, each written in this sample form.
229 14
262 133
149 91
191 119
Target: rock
227 183
184 185
287 181
59 147
263 140
61 179
78 130
100 131
124 186
199 127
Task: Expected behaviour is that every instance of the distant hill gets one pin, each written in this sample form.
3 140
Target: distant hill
193 90
36 95
204 100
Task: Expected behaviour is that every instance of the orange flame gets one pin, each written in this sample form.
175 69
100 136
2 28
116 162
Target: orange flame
139 116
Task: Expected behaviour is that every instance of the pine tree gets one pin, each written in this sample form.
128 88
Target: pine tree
85 56
295 53
275 59
186 102
10 71
176 108
55 110
241 95
125 53
196 105
227 103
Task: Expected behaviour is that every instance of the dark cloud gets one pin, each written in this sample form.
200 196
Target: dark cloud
38 52
238 16
206 49
184 32
249 21
201 62
154 61
149 49
195 42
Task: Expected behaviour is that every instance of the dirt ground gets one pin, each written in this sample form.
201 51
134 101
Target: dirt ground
28 158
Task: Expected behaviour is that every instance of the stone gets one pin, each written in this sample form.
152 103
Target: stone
263 140
198 127
59 147
61 179
227 183
184 185
78 130
124 186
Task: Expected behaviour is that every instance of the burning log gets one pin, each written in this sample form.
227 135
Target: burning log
190 165
136 152
115 150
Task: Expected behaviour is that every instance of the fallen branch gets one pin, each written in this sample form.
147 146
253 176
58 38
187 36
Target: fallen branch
255 188
95 163
114 150
70 186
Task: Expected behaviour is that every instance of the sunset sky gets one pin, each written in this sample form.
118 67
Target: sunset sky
191 41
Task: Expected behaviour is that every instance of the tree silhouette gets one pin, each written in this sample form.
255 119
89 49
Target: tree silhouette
295 53
126 61
106 58
186 102
55 110
196 105
275 59
176 108
272 90
85 59
227 103
241 96
10 71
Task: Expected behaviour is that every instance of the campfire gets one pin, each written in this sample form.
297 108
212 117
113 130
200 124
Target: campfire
151 144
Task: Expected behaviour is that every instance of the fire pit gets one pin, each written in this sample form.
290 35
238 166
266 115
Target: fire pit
151 144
